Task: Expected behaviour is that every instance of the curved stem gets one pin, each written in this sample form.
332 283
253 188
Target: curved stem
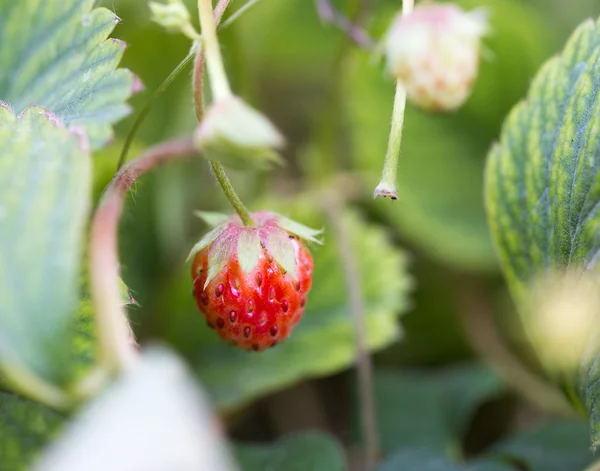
29 385
216 70
117 350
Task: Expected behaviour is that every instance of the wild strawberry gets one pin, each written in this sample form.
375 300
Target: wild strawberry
251 283
434 53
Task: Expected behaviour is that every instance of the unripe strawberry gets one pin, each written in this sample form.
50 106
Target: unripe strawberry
434 52
251 283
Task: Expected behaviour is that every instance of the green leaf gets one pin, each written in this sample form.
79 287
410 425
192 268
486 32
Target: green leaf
302 231
25 428
323 341
543 184
553 446
415 459
205 241
57 55
442 404
543 180
303 452
442 157
44 200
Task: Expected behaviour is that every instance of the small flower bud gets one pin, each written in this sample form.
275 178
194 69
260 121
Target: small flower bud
174 17
237 135
434 52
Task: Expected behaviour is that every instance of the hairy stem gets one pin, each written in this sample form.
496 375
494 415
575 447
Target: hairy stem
230 193
357 308
117 350
216 70
216 167
389 175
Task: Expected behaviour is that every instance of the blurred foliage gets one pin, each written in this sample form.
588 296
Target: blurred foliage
423 418
431 410
25 428
553 446
307 451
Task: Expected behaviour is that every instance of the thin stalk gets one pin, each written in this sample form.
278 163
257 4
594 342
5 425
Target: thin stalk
234 16
357 308
35 388
389 176
216 167
116 343
147 107
216 70
230 193
329 14
197 79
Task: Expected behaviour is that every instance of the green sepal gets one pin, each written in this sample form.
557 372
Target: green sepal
300 230
248 249
278 245
208 239
221 251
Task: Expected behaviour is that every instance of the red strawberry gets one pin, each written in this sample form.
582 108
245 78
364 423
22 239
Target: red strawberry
251 282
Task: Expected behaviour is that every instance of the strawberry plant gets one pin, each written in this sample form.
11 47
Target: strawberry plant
390 217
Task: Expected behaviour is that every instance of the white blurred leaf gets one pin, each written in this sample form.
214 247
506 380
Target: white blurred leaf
154 418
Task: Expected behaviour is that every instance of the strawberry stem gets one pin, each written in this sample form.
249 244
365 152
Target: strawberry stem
389 176
230 193
216 70
117 349
197 82
219 10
